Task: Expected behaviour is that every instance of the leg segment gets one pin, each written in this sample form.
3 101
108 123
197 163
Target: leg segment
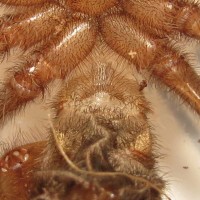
25 85
25 30
152 55
16 168
136 46
165 17
56 61
24 2
91 7
172 70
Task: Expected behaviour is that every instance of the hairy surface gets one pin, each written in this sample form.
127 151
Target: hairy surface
100 142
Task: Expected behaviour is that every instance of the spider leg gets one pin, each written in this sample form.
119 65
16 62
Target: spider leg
24 2
137 46
165 17
92 7
25 30
154 56
16 167
56 61
171 69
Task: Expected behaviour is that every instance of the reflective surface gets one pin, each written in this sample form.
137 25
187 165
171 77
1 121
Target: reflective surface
177 129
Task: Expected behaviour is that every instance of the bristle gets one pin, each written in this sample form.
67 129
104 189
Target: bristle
101 144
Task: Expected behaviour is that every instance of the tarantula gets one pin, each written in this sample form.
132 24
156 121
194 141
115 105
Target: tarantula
100 143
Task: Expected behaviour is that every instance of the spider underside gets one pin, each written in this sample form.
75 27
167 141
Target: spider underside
100 143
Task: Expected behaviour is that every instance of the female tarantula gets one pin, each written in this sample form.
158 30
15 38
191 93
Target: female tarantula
100 143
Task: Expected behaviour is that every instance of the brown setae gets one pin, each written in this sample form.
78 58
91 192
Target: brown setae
100 145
